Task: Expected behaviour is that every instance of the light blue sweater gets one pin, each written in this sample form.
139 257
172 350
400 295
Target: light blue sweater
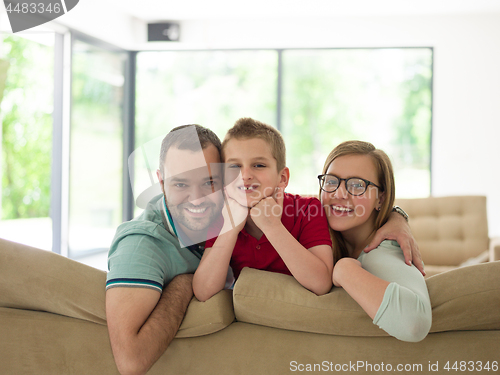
405 312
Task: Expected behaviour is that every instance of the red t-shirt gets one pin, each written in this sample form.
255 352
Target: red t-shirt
303 217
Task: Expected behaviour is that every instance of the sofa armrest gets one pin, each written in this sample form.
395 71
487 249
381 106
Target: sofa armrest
481 258
34 279
495 249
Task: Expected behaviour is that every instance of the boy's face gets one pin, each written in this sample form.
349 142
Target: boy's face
251 171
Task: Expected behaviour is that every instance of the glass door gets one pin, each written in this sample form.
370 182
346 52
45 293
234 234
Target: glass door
96 148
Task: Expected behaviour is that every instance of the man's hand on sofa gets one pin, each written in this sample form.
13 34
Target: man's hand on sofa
143 322
397 229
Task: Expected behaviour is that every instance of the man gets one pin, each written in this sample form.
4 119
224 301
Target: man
163 246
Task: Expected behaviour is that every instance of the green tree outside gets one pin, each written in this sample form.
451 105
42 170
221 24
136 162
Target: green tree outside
26 112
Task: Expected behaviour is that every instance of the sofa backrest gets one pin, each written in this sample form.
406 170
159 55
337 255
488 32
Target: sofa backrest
449 230
463 299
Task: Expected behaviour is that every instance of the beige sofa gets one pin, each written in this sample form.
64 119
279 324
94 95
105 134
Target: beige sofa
451 232
52 321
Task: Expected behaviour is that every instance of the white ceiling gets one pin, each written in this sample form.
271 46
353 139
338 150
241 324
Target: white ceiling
205 23
158 10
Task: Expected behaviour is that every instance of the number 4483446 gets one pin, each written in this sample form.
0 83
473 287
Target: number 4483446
33 8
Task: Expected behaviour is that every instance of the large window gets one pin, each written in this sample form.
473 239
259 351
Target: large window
317 98
382 96
212 89
26 82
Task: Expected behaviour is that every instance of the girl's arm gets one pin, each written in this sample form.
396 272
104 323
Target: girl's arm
394 295
366 289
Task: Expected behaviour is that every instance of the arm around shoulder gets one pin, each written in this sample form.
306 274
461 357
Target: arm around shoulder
397 229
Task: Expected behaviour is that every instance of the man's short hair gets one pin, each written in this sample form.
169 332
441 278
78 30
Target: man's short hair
183 140
247 128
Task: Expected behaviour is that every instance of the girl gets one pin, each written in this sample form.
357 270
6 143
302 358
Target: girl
357 192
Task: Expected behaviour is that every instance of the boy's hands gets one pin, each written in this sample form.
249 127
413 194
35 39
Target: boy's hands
235 215
268 211
264 214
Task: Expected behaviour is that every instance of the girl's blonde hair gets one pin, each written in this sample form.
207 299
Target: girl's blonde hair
385 179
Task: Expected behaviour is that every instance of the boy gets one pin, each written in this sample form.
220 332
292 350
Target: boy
267 228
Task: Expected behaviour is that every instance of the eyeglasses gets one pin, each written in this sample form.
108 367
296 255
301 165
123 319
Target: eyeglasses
354 185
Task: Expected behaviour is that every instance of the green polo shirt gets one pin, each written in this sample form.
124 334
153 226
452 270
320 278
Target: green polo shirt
146 252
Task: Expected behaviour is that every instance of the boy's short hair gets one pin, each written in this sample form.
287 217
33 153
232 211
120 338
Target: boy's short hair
246 128
183 140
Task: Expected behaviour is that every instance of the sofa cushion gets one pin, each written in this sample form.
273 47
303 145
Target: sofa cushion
203 318
277 300
34 279
467 298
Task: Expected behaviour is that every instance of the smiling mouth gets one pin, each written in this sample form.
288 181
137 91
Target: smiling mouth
339 209
196 210
248 189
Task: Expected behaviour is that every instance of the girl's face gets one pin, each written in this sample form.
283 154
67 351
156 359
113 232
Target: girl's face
346 213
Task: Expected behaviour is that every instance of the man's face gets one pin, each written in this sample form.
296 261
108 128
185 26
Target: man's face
192 187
